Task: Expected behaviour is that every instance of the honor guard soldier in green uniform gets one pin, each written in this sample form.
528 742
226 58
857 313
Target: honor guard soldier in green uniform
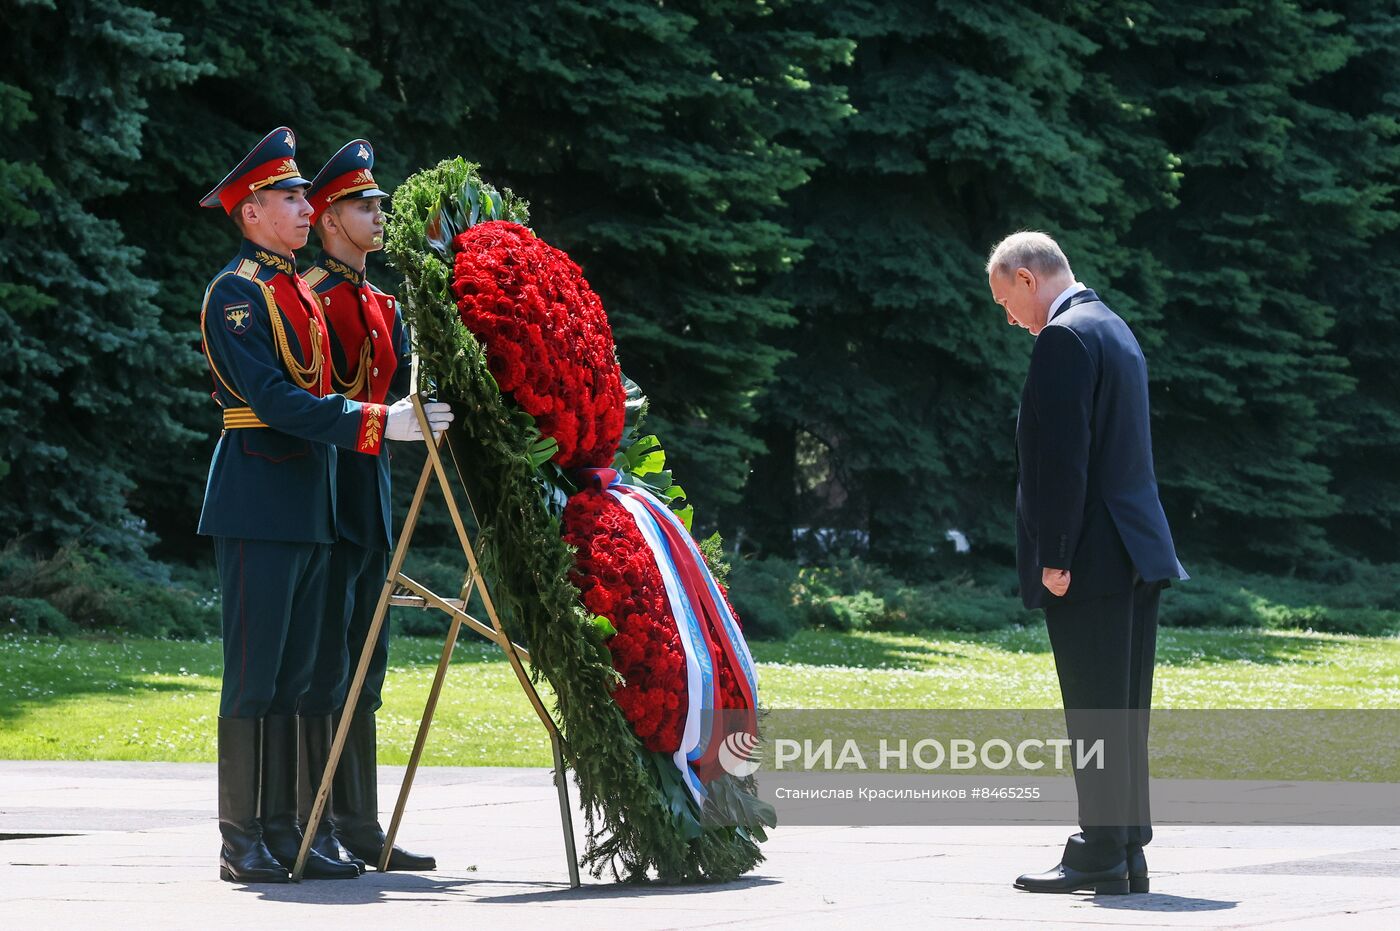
270 502
370 358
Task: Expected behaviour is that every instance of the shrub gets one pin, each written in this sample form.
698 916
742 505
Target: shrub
81 589
961 604
762 591
34 615
776 597
1367 603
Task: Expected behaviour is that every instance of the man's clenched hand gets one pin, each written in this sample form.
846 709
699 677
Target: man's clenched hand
1056 580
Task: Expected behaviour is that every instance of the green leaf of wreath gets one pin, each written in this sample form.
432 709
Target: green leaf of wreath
645 456
542 450
604 625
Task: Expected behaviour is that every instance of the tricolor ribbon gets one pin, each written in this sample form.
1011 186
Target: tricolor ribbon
707 628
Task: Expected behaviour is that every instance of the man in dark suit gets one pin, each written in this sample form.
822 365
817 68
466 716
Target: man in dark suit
1093 547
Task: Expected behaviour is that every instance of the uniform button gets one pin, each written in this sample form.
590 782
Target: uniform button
328 301
374 371
364 297
374 334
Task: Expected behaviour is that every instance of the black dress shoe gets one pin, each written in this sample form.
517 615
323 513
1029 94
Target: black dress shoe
1067 879
1137 870
368 844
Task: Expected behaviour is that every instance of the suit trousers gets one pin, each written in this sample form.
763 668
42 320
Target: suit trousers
356 579
1105 649
273 598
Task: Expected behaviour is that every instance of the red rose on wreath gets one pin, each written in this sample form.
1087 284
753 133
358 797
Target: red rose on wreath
546 336
618 579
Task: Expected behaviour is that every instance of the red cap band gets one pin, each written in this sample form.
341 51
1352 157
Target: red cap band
348 183
255 179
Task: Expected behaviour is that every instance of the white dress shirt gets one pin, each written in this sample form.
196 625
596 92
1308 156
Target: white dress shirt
1066 294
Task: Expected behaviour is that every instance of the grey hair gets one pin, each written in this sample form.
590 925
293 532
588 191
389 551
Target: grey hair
1028 249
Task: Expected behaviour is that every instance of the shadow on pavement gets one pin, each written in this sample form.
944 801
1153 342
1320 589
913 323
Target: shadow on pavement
1155 902
561 893
380 887
369 888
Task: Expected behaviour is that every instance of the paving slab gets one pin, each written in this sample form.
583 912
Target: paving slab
115 845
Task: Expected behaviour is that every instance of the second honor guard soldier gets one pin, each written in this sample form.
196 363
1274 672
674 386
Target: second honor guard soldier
370 363
270 502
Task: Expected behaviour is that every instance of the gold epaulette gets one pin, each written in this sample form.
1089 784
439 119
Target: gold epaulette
241 418
314 276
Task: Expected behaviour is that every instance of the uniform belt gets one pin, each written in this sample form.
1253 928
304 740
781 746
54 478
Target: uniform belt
241 418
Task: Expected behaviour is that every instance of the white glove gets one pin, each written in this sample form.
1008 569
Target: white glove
403 420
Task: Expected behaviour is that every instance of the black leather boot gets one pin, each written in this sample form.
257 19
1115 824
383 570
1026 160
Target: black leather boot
281 829
243 857
1137 870
316 738
357 801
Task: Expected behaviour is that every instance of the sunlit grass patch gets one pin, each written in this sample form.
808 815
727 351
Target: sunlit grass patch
141 699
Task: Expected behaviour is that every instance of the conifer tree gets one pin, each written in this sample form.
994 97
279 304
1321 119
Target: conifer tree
895 412
656 144
86 406
1247 369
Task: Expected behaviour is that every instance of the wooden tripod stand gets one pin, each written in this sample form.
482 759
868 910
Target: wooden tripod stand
399 589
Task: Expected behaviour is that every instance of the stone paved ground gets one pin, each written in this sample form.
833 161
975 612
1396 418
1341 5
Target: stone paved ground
134 845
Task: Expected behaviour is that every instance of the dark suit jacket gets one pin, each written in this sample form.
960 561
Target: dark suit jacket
1086 490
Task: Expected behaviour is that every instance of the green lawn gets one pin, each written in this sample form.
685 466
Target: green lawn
132 699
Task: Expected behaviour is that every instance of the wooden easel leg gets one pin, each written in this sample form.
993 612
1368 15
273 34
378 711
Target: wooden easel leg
516 665
566 816
422 739
352 697
515 657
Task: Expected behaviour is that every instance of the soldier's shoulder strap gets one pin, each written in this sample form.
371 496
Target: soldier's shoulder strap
315 277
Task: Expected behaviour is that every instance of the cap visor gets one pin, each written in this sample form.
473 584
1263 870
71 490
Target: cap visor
289 183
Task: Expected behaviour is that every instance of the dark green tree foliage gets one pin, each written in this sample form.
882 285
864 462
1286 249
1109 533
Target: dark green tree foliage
288 63
84 406
1359 182
1224 174
1267 206
655 143
651 139
781 273
22 185
896 410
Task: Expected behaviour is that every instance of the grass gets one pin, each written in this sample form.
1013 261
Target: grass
142 699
